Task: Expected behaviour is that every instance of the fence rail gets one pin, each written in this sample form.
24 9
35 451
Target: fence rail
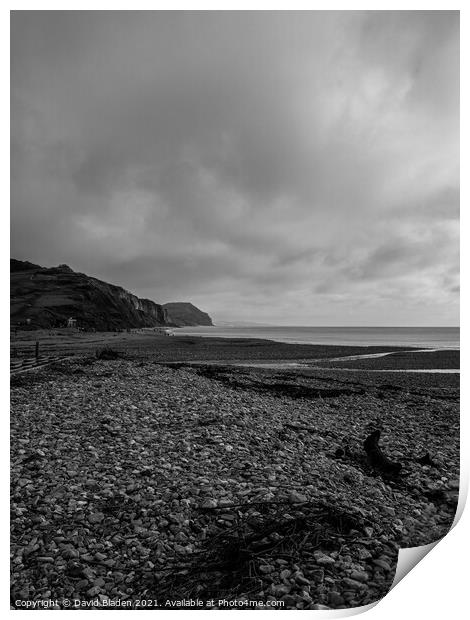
28 363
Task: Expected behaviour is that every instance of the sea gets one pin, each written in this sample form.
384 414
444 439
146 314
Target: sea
421 337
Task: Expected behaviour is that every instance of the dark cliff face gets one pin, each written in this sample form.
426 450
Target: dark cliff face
48 297
185 314
22 265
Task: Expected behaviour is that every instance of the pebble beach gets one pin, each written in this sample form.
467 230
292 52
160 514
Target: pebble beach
148 481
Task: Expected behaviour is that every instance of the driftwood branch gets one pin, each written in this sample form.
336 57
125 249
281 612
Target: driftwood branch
426 460
377 458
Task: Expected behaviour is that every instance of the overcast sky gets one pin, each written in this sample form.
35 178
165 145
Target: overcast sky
288 168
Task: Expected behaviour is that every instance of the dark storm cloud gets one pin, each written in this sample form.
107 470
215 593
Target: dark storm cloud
265 165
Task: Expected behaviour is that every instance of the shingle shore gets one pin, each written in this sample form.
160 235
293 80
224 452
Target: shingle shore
124 473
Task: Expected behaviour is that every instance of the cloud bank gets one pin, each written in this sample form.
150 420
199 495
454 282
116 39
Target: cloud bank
280 167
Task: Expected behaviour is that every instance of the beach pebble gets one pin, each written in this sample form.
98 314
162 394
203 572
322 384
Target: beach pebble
359 575
209 503
335 599
382 564
364 554
295 497
289 601
280 590
325 560
301 580
351 583
96 517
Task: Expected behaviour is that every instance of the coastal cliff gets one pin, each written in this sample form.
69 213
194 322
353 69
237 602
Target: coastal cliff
48 297
185 314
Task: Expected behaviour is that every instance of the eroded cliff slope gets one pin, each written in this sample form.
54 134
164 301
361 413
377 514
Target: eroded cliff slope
48 297
185 314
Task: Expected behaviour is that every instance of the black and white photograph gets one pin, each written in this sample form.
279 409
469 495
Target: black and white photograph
234 305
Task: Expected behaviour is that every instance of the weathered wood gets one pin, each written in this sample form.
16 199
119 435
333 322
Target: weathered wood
426 460
377 458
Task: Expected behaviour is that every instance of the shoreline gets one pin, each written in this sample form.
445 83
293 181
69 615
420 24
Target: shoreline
145 344
336 336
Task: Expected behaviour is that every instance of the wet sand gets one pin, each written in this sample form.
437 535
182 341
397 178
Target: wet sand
148 344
